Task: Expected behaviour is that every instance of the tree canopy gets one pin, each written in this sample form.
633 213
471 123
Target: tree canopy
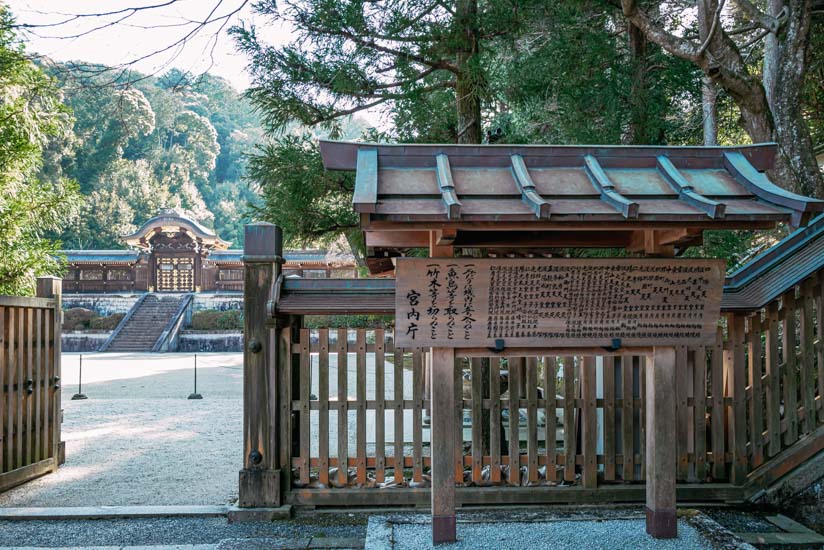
31 115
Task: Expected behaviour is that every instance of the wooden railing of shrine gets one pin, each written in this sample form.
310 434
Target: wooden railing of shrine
30 384
749 408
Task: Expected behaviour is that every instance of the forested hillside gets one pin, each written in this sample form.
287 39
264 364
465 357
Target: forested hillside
168 142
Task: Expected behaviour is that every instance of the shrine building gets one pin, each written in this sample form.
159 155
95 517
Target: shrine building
174 253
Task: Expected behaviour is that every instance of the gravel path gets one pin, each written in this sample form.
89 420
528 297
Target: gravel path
138 440
171 531
559 535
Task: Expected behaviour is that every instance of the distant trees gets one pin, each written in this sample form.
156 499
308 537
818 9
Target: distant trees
177 141
31 114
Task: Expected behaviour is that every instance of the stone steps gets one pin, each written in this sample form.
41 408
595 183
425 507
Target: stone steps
146 324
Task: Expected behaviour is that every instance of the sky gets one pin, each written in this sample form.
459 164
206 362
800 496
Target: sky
144 33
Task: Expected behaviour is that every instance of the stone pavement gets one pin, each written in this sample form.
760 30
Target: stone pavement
138 440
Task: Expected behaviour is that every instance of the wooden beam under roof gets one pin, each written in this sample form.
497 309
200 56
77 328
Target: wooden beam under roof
609 195
447 187
529 194
686 192
366 181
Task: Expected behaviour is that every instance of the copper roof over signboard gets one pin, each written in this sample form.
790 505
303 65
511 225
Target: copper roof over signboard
492 196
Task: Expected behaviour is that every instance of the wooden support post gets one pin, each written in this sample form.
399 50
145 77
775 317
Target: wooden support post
443 445
660 443
52 287
260 477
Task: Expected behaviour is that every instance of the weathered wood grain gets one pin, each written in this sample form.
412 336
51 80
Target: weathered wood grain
641 302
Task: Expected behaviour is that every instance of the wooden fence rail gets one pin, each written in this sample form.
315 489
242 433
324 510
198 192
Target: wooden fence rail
29 384
358 410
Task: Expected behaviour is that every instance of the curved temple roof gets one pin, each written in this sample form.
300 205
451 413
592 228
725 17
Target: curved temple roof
171 220
509 196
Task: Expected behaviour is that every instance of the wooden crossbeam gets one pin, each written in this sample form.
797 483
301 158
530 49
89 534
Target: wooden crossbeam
366 181
686 192
609 195
529 193
447 187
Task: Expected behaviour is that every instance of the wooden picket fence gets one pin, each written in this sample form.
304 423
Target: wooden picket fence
358 406
30 384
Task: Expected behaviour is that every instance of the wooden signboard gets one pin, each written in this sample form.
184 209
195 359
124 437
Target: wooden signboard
468 303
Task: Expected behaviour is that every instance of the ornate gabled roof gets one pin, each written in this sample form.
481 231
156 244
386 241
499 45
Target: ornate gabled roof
544 196
173 220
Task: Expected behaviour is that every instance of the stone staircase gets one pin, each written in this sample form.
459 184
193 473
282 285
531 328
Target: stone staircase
146 324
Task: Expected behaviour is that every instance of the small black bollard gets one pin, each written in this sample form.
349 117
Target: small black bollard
80 395
195 395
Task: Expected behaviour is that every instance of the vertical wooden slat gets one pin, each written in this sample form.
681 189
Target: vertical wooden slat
323 402
681 412
4 393
819 312
642 416
773 397
305 392
532 418
789 371
514 418
38 389
343 406
495 420
627 413
589 427
476 366
550 368
44 358
50 416
11 370
284 373
569 419
700 412
717 419
756 394
21 380
29 391
735 365
807 366
609 418
360 339
380 406
417 412
457 418
397 395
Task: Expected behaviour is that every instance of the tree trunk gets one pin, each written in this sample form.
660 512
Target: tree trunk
709 91
709 109
796 166
778 118
638 123
468 79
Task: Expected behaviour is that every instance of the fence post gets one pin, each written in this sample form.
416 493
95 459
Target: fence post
259 485
52 287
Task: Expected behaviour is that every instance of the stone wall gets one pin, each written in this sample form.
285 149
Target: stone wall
84 341
103 304
221 302
205 341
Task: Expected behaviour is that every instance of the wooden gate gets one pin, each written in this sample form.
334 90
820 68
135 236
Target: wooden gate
30 375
